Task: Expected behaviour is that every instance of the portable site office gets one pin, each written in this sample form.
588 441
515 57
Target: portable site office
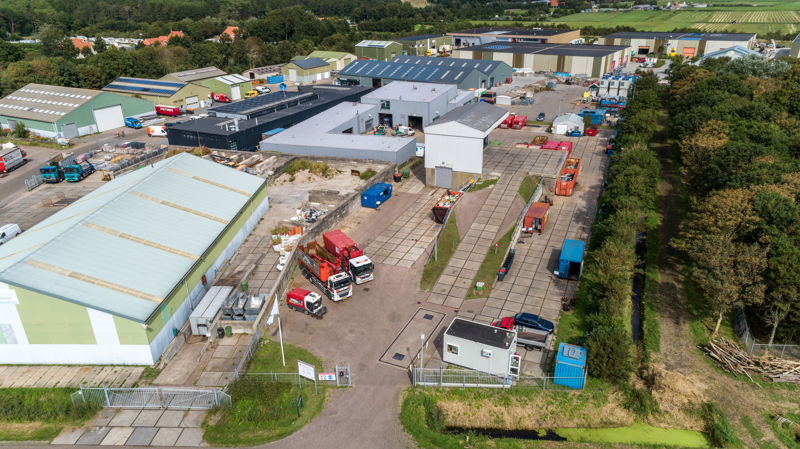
376 195
481 347
570 366
570 264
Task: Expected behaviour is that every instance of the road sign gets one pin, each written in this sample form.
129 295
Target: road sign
327 376
282 86
497 244
306 370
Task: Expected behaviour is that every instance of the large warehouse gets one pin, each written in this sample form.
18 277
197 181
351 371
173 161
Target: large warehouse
53 111
425 44
234 86
478 36
160 92
589 60
416 104
240 125
108 279
688 45
378 50
464 73
339 132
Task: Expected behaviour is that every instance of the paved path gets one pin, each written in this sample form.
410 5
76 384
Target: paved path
47 376
138 427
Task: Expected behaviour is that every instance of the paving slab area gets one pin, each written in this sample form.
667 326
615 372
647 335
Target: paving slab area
47 376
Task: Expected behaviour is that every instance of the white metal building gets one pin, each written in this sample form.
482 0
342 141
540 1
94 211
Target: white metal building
565 123
416 104
110 278
455 142
481 347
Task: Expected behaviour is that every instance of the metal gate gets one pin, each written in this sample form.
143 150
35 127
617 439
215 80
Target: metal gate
153 397
444 177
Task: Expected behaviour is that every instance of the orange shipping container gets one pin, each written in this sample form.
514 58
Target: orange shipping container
536 218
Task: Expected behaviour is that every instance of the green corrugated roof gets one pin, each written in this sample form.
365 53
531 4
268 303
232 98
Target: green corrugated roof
124 247
327 54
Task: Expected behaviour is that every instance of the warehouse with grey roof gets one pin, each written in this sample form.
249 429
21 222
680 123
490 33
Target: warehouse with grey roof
108 279
586 60
687 45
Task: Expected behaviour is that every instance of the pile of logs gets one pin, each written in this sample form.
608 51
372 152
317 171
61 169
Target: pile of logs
735 360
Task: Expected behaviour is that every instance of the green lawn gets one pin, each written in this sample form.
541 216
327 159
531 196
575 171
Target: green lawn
527 188
488 270
448 242
482 184
262 410
39 413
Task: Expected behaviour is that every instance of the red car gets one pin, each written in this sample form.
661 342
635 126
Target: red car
505 323
592 131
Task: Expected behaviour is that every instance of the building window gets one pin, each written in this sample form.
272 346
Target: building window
386 104
452 349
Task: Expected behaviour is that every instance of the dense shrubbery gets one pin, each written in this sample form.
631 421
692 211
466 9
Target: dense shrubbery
737 125
626 205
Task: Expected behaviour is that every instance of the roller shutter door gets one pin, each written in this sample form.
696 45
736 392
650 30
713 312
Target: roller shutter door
69 131
192 102
108 118
443 177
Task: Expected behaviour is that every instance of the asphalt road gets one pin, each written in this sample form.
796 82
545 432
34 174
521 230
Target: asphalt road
12 184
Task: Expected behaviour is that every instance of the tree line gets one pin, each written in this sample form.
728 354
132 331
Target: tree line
737 124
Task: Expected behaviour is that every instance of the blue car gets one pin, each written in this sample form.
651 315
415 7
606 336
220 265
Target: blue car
533 321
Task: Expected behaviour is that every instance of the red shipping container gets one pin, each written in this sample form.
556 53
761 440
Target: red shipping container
519 121
536 218
565 146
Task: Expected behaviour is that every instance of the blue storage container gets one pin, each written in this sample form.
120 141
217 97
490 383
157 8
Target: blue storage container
274 79
376 195
570 366
571 261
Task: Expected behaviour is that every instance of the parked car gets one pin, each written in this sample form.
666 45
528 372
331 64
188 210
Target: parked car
533 321
540 117
251 93
506 323
262 89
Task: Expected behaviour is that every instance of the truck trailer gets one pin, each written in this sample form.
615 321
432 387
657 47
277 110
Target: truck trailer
349 256
335 284
11 157
172 111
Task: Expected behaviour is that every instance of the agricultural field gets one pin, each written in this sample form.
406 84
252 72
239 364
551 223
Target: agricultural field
729 21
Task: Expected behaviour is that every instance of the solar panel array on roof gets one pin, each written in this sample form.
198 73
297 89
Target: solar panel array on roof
405 72
149 81
310 63
255 102
465 64
145 86
147 90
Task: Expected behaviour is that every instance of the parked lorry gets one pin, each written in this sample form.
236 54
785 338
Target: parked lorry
335 284
52 173
75 172
306 301
349 256
220 98
506 123
519 121
133 122
568 177
11 157
172 111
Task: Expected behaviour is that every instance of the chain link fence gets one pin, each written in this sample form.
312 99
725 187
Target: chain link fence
784 351
463 378
153 397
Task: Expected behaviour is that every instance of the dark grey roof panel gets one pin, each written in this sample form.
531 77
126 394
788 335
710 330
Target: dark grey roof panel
480 116
481 333
686 36
310 63
546 49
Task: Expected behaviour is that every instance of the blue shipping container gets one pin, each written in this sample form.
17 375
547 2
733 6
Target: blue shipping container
275 79
598 116
376 195
570 366
571 260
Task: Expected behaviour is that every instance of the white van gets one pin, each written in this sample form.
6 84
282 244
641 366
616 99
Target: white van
8 232
157 131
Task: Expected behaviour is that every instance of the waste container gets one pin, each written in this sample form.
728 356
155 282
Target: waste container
406 173
398 177
228 331
220 332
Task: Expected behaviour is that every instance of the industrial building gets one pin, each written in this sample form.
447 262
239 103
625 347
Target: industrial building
161 92
481 347
425 44
194 75
240 125
304 71
336 59
464 73
455 142
568 59
478 36
378 50
734 52
339 132
55 111
234 86
688 45
565 123
112 277
415 104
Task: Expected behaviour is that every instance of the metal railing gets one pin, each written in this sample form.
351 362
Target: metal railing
784 351
464 378
153 397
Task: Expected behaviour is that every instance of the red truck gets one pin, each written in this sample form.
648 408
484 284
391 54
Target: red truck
568 177
172 111
535 218
306 301
349 256
11 157
519 122
220 98
334 283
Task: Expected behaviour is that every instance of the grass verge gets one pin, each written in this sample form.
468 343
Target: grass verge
317 168
787 434
448 242
488 270
263 410
719 429
527 187
39 413
482 184
367 174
